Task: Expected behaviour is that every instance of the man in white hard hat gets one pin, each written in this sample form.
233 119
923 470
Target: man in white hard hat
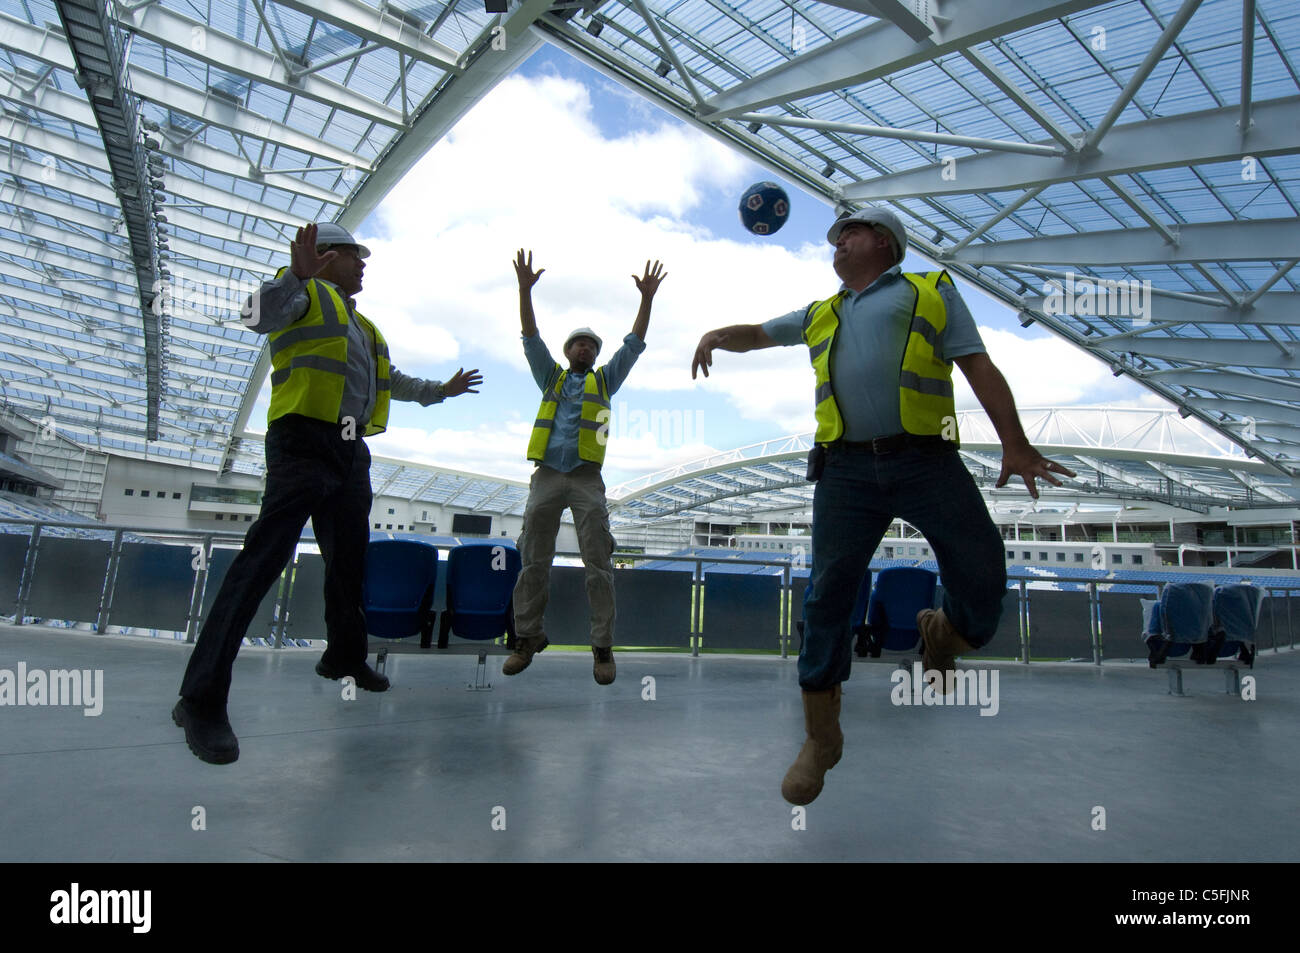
567 447
882 350
331 384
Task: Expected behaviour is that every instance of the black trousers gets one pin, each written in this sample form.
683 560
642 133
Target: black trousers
311 471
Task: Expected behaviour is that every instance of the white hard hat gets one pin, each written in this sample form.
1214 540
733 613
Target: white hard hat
583 333
330 233
872 215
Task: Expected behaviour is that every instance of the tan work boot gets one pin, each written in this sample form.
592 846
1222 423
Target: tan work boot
525 649
942 642
822 749
603 669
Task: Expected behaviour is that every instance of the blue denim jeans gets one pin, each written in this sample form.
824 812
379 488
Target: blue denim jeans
857 497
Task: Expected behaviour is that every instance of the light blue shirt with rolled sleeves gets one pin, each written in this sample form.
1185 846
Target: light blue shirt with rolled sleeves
868 350
562 449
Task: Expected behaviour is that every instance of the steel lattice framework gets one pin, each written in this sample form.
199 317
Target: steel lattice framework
1061 154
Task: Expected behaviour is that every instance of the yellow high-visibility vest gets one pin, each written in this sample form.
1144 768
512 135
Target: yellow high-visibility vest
593 428
925 399
309 361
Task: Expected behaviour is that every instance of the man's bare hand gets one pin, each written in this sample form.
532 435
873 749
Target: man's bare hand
648 283
462 383
524 271
704 352
305 260
1029 464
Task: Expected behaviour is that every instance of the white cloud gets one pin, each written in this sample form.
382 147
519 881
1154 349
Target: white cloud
1048 372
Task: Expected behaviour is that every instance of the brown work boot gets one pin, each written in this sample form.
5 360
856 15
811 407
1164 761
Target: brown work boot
603 668
525 649
942 643
821 750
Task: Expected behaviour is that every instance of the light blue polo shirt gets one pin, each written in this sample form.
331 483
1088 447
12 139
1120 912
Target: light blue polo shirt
562 449
868 350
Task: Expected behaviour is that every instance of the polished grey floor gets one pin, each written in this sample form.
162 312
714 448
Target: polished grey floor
575 772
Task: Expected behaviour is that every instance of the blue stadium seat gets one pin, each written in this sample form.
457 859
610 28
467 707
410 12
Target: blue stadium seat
1181 626
480 585
888 619
1236 616
398 590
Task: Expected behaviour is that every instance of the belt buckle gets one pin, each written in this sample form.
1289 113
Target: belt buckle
880 445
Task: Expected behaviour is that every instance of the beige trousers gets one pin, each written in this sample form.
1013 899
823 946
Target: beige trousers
583 491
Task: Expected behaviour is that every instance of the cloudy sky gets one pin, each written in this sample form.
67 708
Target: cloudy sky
595 181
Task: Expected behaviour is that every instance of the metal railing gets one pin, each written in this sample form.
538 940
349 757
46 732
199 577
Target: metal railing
201 544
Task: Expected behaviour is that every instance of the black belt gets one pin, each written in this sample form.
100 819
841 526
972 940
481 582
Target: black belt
895 443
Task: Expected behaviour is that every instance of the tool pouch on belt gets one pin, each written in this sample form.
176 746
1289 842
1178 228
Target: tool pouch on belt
816 462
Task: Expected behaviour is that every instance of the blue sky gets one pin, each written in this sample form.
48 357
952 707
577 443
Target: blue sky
595 180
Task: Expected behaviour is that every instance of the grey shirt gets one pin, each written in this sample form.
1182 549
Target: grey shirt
868 349
282 301
562 449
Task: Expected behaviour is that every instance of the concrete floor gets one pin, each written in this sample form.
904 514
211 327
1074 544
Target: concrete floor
585 773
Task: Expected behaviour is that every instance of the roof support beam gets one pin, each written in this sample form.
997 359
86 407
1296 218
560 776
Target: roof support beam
230 55
206 157
226 203
1188 139
1231 382
1216 353
379 26
1135 82
65 181
1017 96
220 112
49 45
1256 410
1257 240
910 135
874 51
1247 61
668 51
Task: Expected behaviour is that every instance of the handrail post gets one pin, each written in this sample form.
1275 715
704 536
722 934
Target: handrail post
1023 606
1094 620
110 582
787 606
200 582
25 580
697 623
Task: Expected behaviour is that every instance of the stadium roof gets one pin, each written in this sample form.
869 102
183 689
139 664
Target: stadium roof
1122 457
159 154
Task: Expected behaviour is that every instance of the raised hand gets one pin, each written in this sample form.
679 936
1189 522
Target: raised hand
462 383
524 271
305 260
648 283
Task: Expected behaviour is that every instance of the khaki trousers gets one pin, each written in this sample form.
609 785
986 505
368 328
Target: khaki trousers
583 491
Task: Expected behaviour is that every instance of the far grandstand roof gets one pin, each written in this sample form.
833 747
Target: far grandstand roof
1120 456
161 152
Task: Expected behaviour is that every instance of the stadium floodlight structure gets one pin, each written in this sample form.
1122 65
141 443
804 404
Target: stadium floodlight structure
1125 174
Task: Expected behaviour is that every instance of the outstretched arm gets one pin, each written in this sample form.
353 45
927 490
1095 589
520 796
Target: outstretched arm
527 278
1018 456
647 284
738 338
426 392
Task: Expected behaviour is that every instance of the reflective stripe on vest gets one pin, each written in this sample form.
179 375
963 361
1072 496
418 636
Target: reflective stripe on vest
593 427
925 399
309 361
